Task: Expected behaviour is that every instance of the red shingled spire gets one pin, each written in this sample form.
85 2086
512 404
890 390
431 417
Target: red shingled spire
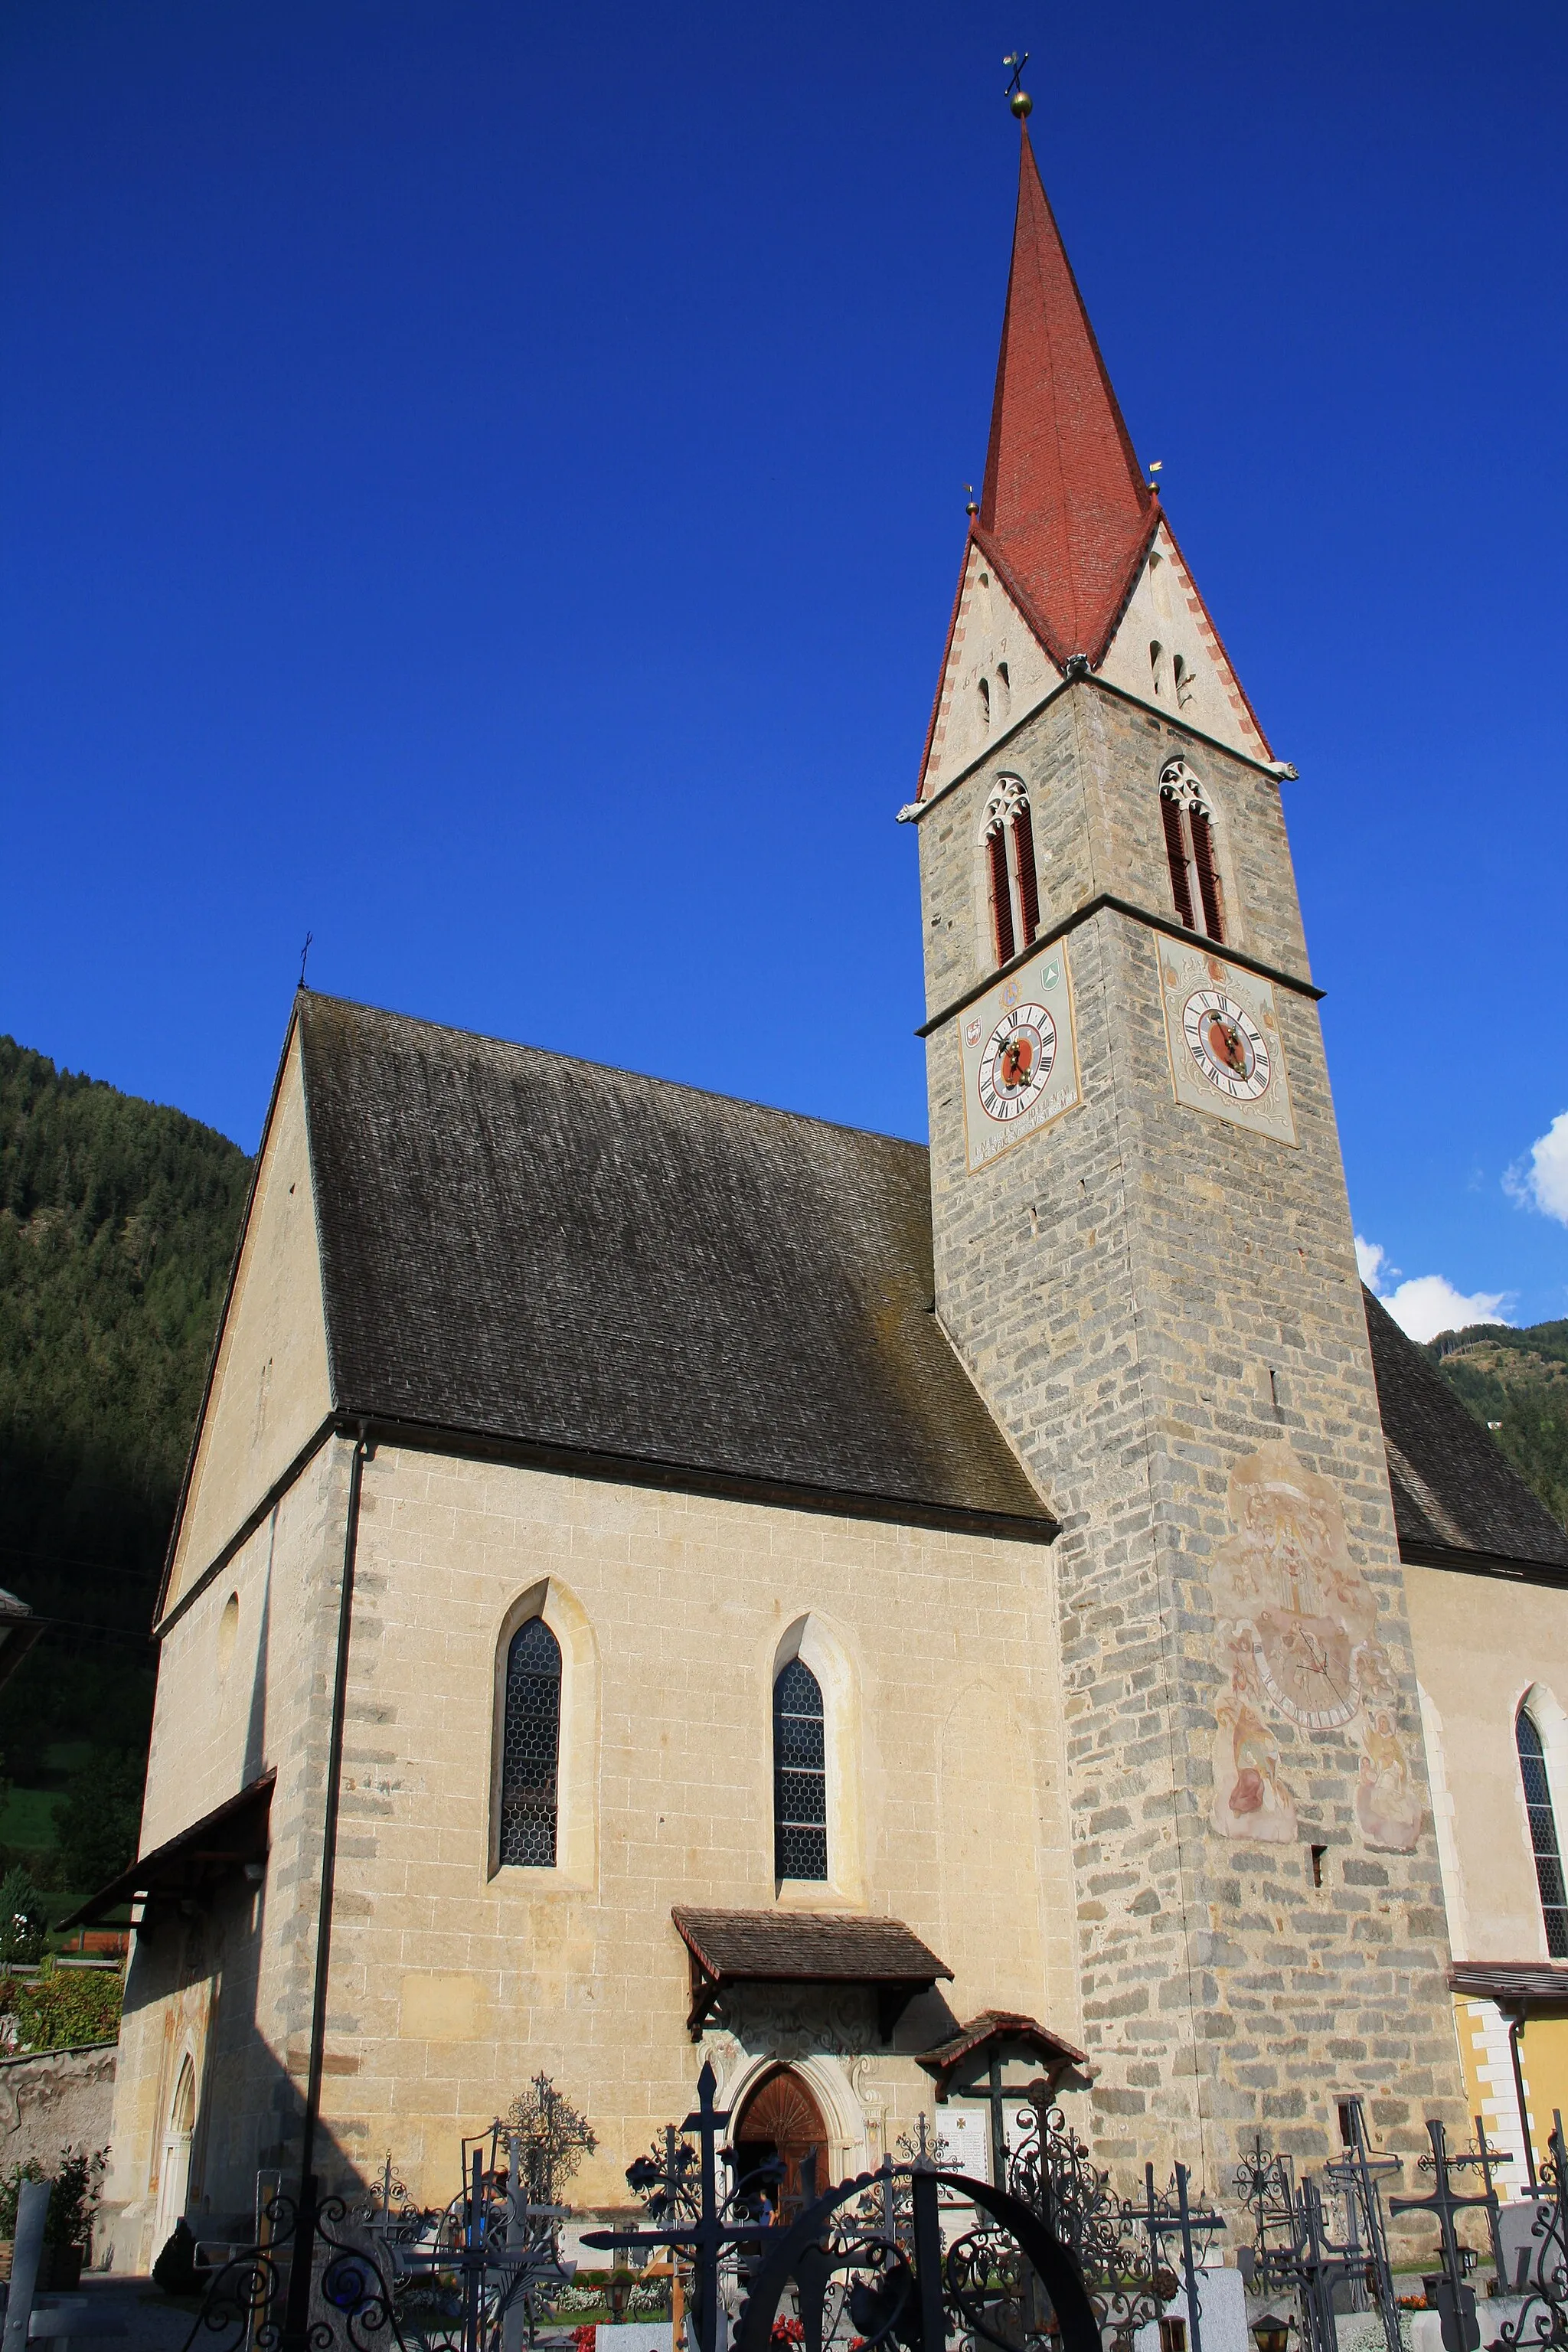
1064 510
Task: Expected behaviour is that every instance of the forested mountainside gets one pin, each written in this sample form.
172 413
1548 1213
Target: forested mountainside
117 1222
1517 1382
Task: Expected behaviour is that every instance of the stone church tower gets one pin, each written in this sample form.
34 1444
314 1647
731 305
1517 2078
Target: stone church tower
1144 1256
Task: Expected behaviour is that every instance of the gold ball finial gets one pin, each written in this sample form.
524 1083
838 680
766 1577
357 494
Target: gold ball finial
1017 98
1022 104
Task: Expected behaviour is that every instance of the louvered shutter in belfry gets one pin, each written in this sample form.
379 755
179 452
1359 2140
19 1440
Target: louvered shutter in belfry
1208 878
1029 888
1001 894
1176 851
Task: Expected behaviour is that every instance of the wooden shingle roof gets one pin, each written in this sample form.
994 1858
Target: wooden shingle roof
523 1248
1457 1501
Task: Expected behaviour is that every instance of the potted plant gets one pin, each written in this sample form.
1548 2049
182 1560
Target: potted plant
67 2230
73 2206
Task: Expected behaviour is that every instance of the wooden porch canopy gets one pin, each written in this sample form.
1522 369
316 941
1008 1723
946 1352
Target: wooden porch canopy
1512 1984
231 1835
805 1948
970 2065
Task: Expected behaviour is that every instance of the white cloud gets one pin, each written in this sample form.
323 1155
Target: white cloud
1369 1257
1543 1185
1429 1303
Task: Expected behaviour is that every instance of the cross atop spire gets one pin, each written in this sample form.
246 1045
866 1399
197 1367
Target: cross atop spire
1065 512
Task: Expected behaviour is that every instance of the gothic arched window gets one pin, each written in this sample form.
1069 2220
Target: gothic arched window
800 1775
1189 823
1008 837
1543 1835
530 1746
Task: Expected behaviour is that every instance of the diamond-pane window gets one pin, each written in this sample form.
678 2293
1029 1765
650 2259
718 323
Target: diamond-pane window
1543 1836
530 1744
800 1775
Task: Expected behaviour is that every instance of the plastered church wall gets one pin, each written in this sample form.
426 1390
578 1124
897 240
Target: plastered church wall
243 1689
453 1982
1485 1646
1123 1284
271 1386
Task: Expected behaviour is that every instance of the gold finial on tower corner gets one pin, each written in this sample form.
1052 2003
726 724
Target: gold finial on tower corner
1018 99
1156 465
969 492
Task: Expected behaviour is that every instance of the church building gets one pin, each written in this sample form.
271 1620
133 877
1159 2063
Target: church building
660 1578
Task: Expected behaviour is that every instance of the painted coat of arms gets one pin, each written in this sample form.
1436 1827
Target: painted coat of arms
1301 1628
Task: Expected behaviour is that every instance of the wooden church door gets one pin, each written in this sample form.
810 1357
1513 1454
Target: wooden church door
782 2119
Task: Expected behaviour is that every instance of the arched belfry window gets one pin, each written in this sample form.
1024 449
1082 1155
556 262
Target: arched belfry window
1543 1834
1007 836
530 1746
800 1775
1188 822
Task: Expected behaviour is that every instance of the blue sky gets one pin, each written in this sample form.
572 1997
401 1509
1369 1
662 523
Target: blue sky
485 485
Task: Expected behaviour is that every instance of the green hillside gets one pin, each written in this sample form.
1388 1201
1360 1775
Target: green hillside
1517 1382
118 1221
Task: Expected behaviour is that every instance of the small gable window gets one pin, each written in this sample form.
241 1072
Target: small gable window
1008 840
800 1775
1186 682
530 1746
1188 822
983 691
1003 694
1157 667
1542 1834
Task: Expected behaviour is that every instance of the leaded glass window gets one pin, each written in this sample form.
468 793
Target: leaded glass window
800 1775
1543 1836
530 1743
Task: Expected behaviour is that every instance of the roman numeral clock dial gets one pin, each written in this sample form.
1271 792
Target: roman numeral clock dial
1019 1058
1019 1055
1223 1031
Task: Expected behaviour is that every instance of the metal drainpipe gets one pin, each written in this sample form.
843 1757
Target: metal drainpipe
1515 2028
296 2319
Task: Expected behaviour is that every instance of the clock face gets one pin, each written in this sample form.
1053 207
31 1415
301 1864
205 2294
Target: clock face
1016 1063
1226 1044
1018 1058
1227 1057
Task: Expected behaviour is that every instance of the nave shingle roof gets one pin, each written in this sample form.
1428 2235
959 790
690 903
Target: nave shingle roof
1453 1491
531 1248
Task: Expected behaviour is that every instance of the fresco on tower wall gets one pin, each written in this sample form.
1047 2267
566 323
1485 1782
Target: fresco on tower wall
1300 1628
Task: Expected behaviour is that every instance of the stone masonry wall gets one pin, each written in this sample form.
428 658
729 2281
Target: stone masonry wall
1150 1297
55 2099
